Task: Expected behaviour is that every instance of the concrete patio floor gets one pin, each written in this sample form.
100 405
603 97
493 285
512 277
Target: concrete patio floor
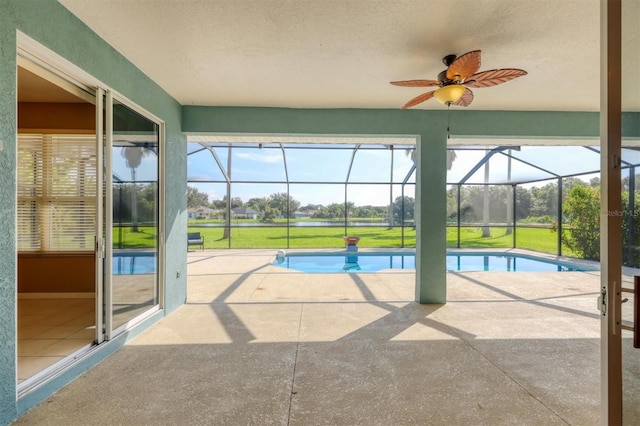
259 345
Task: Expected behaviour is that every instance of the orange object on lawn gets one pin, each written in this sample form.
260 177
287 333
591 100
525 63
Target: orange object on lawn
351 241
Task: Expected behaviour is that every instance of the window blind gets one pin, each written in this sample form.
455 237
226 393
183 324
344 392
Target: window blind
56 192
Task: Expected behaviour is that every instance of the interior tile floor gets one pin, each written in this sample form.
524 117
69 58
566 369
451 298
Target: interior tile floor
255 344
50 330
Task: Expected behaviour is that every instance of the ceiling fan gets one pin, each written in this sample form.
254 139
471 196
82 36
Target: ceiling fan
461 73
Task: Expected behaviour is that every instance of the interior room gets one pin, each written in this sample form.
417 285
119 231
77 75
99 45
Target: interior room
56 181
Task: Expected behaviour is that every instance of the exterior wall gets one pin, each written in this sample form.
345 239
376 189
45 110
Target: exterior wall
8 294
53 26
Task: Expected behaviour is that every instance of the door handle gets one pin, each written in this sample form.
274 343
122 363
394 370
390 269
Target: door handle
636 310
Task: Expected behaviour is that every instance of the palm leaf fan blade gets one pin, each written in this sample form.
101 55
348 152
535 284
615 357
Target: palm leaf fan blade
416 83
466 99
494 77
419 99
464 66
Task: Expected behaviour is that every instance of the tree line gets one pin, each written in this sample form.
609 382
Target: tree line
143 196
532 205
580 210
281 205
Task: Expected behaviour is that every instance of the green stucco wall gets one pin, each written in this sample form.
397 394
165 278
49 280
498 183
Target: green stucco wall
53 26
8 284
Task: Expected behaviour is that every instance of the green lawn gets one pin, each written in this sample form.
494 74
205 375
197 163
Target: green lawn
144 238
537 239
304 237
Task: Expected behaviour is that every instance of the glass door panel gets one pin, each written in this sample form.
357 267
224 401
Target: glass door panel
631 194
135 222
103 159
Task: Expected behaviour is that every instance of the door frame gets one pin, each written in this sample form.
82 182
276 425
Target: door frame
31 50
610 301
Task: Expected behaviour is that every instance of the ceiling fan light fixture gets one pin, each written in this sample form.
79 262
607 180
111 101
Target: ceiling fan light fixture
455 82
449 94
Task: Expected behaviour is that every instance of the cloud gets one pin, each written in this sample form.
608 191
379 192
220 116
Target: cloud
199 177
214 195
270 158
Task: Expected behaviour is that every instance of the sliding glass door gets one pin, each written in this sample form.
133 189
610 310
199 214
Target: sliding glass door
132 219
89 215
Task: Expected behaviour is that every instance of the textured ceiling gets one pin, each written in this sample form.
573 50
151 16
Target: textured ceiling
343 53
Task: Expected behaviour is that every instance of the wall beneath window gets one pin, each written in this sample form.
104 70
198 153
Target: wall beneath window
56 273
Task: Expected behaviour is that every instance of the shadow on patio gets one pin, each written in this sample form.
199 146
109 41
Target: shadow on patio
259 345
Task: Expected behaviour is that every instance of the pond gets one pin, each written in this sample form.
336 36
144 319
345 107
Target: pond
325 224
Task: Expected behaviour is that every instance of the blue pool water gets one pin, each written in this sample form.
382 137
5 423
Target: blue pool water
372 262
131 264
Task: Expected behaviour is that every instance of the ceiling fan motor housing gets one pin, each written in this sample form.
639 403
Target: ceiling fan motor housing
448 60
442 78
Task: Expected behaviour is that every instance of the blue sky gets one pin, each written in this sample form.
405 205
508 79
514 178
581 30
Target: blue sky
331 166
146 171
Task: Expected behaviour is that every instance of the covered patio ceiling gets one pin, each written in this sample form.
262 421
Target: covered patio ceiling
344 53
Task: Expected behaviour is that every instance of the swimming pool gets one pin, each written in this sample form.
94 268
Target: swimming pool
373 262
134 263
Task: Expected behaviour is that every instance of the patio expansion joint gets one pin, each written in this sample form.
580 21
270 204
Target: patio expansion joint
495 365
263 278
295 364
